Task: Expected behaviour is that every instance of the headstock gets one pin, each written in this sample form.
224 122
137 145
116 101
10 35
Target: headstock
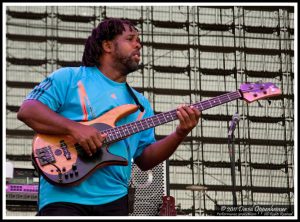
255 91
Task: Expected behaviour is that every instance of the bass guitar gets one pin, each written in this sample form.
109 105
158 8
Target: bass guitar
63 162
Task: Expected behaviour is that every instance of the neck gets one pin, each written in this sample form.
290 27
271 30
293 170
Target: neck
112 74
123 131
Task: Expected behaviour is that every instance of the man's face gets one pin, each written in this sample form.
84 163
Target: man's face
127 50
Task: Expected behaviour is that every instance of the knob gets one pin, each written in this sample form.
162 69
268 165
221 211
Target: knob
74 167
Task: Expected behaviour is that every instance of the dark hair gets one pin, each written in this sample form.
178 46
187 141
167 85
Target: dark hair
108 29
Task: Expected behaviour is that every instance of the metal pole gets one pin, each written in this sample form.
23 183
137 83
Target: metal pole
231 139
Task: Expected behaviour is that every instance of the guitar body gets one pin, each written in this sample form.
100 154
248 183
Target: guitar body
63 162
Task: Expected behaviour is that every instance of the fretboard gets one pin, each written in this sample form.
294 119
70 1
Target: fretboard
121 132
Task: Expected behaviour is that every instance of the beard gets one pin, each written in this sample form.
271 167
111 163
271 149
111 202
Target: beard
125 63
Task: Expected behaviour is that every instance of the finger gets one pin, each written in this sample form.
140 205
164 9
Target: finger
196 114
98 140
181 113
191 114
92 145
186 113
86 147
180 117
102 136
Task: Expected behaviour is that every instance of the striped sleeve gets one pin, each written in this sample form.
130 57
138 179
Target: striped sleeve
52 90
40 89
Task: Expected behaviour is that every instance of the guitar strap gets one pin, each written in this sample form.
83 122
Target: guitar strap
131 198
131 188
141 108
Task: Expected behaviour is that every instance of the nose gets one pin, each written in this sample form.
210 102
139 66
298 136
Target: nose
138 44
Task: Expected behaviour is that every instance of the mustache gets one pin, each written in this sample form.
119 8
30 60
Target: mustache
136 53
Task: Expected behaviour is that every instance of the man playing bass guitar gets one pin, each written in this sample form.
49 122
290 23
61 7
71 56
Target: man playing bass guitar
81 176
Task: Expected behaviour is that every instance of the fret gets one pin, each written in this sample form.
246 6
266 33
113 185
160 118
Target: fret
174 115
108 131
125 130
205 105
169 116
153 124
166 116
158 119
141 125
210 104
109 137
135 127
162 114
117 132
199 106
122 132
145 123
128 129
150 123
214 102
228 96
155 120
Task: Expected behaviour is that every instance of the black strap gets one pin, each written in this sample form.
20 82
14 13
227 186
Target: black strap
141 108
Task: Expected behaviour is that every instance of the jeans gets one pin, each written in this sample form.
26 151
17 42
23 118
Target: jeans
116 208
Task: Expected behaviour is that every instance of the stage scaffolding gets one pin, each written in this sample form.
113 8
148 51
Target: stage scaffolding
190 54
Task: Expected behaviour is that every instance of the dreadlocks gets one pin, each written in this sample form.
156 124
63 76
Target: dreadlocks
108 29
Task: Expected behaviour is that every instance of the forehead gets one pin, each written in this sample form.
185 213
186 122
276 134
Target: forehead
130 30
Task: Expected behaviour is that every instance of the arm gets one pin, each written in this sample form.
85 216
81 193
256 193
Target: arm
43 120
164 148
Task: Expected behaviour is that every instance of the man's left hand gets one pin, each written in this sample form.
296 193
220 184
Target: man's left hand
188 119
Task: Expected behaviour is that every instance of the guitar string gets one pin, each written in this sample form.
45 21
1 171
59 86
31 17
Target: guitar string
160 117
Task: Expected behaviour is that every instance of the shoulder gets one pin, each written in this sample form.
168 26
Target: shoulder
69 74
65 72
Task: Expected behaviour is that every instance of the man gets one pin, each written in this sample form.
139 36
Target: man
74 94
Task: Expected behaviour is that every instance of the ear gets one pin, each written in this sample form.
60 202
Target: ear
107 46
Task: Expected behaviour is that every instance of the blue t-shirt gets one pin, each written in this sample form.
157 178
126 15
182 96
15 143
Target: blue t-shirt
82 94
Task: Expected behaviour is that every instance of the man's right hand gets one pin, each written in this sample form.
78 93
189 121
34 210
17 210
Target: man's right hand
42 119
88 137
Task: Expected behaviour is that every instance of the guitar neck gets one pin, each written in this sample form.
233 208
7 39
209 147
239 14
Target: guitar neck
121 132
